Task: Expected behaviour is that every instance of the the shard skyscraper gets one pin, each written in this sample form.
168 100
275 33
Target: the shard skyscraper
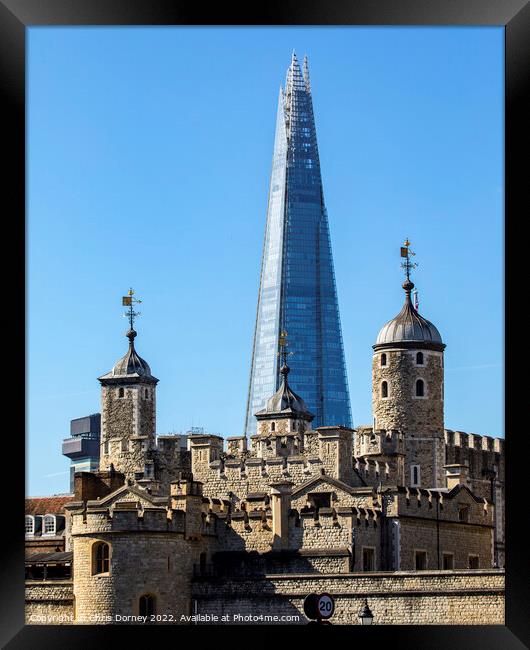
297 290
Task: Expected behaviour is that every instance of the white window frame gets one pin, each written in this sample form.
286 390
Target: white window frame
412 482
47 532
32 519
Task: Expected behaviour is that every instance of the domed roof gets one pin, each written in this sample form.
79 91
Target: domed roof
131 365
285 400
409 327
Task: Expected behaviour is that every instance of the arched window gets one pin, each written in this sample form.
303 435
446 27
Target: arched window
420 392
384 389
121 392
383 359
146 394
273 426
49 525
419 358
30 525
101 558
146 605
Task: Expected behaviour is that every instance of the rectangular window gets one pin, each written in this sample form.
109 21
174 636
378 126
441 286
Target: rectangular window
473 561
415 477
29 526
448 561
420 560
463 513
368 559
320 499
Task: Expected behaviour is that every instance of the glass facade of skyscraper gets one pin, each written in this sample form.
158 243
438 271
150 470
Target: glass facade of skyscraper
297 286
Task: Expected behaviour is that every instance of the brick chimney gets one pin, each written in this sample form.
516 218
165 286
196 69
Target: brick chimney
281 503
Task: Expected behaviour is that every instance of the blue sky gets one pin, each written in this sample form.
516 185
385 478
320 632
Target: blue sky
149 153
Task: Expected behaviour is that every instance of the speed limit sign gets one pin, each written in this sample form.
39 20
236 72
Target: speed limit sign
326 605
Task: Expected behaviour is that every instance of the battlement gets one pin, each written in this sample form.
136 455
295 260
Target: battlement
473 441
446 505
387 442
125 516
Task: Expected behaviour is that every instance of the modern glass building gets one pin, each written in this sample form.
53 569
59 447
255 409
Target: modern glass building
297 290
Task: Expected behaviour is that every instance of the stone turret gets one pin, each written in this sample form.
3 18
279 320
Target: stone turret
128 416
407 388
282 423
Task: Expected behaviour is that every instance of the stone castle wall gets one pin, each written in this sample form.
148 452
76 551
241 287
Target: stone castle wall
419 598
49 602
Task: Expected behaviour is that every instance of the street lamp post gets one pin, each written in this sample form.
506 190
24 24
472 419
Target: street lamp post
365 614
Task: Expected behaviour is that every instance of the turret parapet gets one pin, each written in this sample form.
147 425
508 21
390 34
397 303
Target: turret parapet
386 442
125 516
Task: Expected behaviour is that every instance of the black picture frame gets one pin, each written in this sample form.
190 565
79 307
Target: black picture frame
15 17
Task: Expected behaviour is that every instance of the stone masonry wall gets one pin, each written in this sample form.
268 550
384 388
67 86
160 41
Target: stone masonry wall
49 602
421 598
420 418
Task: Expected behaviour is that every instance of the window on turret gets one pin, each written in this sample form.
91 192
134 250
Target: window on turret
146 605
384 389
146 394
383 359
419 358
101 558
273 426
121 392
420 389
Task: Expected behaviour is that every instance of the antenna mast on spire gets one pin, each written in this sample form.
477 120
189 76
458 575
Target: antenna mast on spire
130 301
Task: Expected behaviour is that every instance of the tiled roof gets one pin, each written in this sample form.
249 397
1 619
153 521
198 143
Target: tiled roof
52 505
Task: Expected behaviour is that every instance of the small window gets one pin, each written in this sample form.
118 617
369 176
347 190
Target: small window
273 426
383 359
414 475
146 605
420 391
320 499
420 560
448 561
146 394
121 392
101 558
384 389
473 562
368 559
30 525
293 425
49 525
463 513
419 358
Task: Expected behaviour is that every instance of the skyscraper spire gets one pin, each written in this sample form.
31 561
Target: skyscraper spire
306 74
297 286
